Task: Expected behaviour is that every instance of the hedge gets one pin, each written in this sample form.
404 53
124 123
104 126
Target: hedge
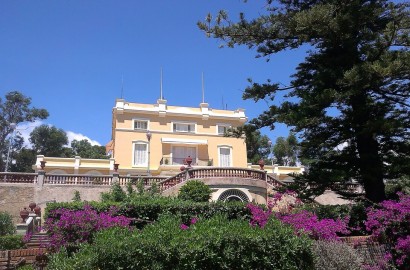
9 242
151 208
215 243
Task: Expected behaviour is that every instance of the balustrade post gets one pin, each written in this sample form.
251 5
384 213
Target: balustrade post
41 175
187 176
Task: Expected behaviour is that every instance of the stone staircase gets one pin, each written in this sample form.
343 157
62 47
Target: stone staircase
38 240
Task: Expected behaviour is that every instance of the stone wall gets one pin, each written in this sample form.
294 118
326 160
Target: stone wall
16 196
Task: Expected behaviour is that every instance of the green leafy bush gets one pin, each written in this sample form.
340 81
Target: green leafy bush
216 243
116 194
150 208
335 255
6 224
77 196
196 191
8 242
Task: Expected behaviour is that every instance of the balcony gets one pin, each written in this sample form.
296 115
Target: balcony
174 161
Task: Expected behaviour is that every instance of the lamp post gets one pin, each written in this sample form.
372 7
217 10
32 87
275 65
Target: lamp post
149 135
13 127
271 152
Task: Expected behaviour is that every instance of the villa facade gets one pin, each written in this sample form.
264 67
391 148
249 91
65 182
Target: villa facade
157 138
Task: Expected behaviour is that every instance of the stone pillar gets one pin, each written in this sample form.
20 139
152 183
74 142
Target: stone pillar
276 169
77 163
115 177
40 178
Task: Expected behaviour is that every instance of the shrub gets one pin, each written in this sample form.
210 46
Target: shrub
390 223
75 227
336 256
77 196
356 213
116 194
216 243
149 208
401 184
6 224
196 191
8 242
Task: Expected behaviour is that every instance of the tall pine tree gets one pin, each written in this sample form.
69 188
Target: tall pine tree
349 98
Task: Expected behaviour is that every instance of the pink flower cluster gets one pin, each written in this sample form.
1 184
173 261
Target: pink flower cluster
259 216
186 227
308 223
390 222
77 226
302 222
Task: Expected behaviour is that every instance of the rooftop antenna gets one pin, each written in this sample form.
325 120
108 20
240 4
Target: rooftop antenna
160 94
122 86
223 103
203 89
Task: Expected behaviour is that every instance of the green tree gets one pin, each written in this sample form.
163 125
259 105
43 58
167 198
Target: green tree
84 149
286 150
24 160
352 89
15 109
49 141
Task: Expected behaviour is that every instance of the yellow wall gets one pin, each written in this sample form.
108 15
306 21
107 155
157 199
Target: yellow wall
161 127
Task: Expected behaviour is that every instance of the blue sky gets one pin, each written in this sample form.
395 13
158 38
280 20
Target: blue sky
70 56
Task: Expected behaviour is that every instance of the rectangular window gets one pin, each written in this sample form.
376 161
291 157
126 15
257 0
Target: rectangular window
141 124
225 157
140 154
184 127
222 129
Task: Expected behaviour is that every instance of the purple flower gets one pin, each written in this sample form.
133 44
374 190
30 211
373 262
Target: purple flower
194 220
183 227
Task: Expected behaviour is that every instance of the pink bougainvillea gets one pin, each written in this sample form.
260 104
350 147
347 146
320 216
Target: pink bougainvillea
78 226
389 222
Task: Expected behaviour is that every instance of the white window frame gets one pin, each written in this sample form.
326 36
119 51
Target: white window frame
134 120
231 154
222 125
183 123
145 164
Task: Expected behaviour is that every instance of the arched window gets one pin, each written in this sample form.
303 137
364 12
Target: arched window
231 195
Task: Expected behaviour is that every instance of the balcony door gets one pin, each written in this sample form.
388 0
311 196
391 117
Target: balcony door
180 153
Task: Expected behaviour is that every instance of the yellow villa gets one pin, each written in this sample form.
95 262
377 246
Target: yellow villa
157 138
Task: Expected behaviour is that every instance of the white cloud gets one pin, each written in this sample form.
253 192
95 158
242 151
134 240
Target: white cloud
26 128
342 146
78 136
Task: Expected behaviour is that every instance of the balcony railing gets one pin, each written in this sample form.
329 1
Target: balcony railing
166 160
14 177
216 172
77 179
148 180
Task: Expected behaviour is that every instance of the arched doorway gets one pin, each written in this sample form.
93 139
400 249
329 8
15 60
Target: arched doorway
232 195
